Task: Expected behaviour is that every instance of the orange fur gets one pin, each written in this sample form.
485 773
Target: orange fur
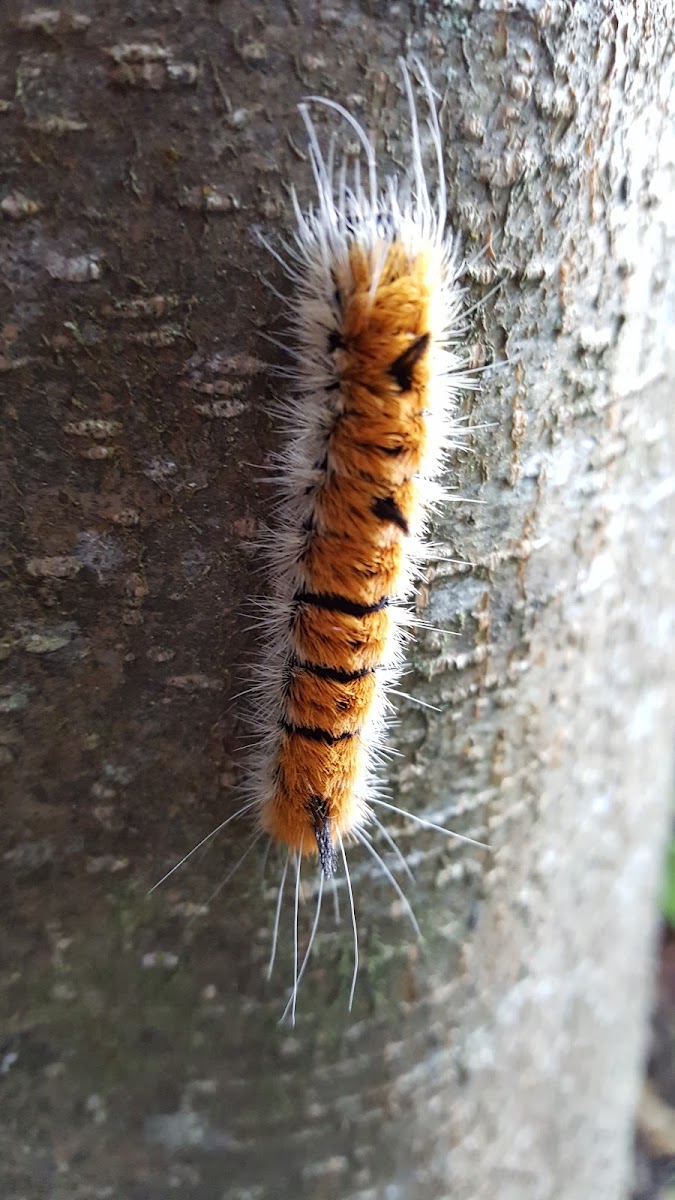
306 769
329 704
368 499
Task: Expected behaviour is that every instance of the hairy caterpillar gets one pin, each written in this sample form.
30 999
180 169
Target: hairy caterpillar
375 316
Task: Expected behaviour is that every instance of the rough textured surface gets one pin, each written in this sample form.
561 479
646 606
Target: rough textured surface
142 1051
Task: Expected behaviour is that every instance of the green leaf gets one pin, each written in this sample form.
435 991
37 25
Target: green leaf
668 888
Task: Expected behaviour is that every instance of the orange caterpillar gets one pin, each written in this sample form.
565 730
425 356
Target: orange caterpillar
375 309
374 316
351 564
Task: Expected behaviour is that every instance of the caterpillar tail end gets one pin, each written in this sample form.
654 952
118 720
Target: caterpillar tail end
324 840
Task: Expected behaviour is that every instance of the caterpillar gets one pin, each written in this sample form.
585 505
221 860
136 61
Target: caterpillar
375 319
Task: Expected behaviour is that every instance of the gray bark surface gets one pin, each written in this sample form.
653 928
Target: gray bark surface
142 1055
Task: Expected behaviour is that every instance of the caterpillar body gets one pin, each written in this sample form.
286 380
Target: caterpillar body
375 322
375 317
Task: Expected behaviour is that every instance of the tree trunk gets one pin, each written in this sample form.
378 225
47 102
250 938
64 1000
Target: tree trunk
501 1057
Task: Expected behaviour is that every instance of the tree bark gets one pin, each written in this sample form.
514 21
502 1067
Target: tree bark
143 1054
